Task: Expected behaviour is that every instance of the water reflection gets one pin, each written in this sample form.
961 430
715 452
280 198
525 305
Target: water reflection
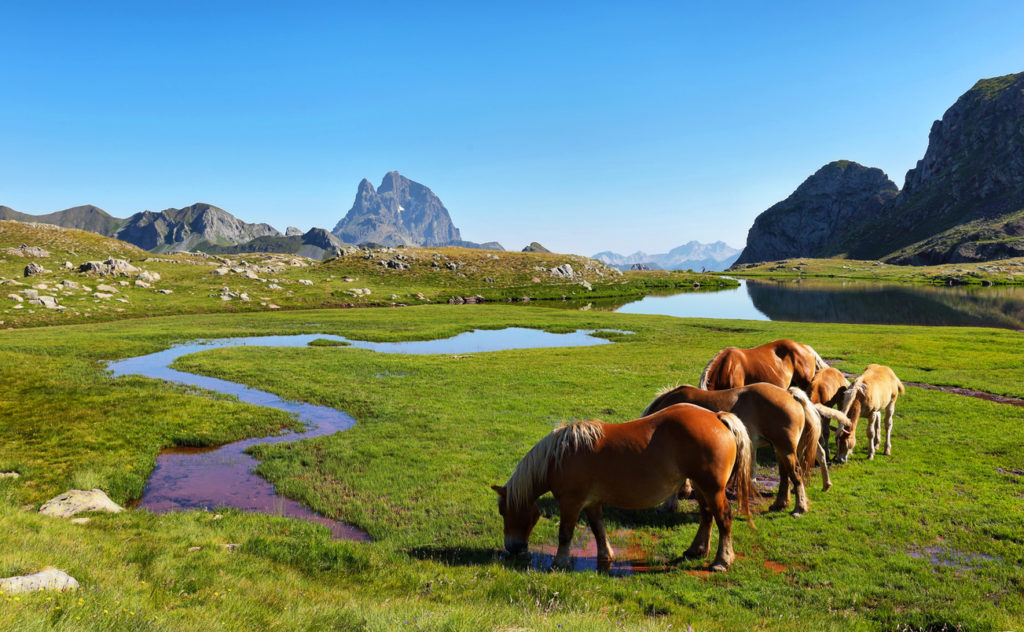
829 301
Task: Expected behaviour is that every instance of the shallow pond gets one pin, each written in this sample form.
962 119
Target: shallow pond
824 301
222 476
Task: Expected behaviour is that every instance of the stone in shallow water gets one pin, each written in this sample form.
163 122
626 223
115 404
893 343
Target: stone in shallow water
47 579
77 501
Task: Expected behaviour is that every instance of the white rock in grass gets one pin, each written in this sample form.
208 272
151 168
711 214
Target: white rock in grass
77 501
47 579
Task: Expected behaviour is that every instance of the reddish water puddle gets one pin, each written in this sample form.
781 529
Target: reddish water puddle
223 476
632 554
951 558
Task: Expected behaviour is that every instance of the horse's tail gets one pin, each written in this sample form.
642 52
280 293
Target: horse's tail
899 385
741 469
819 363
705 376
808 440
835 415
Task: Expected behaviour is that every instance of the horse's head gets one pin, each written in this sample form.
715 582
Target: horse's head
846 438
519 521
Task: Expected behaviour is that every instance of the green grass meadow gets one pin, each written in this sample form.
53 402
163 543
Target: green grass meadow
929 538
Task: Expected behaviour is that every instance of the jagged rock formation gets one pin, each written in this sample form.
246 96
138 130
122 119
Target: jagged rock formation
401 212
964 201
292 231
175 230
692 255
535 247
819 218
88 217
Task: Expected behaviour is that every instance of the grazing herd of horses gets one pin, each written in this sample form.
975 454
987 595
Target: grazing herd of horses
700 440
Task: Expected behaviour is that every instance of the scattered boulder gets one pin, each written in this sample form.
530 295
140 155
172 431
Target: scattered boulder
221 271
148 277
587 286
305 282
80 520
70 285
111 267
77 501
102 295
49 302
15 297
34 269
10 475
27 251
47 579
30 294
142 284
563 271
103 287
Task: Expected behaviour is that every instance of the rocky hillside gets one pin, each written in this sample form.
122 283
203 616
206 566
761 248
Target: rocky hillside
692 255
964 201
400 213
817 219
176 230
316 243
88 217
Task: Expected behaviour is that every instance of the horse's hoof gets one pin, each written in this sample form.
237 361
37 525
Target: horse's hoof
694 554
718 567
826 487
796 513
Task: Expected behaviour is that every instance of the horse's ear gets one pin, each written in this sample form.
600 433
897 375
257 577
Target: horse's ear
499 490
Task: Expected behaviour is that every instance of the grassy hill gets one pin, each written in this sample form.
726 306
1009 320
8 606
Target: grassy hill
250 282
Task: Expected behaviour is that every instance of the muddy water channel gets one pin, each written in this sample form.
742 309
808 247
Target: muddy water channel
206 478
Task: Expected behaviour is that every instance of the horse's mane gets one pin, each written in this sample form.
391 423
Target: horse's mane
665 390
858 386
532 470
705 376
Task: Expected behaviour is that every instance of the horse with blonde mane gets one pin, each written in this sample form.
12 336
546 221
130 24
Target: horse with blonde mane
783 363
632 465
876 389
786 420
827 390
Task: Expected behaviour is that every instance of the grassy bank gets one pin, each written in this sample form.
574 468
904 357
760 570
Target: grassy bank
254 283
929 536
1002 272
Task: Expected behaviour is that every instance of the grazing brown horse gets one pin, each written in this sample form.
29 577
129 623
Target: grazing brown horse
784 419
783 363
633 465
875 390
827 390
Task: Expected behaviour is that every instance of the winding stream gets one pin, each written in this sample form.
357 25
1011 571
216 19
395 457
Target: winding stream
223 476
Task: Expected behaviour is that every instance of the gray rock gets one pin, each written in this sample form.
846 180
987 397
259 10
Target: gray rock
27 251
47 579
34 269
15 297
77 501
563 271
70 285
148 277
49 302
176 230
103 287
10 475
30 294
292 231
111 267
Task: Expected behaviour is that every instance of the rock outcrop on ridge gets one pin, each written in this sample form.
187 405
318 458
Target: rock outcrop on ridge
816 219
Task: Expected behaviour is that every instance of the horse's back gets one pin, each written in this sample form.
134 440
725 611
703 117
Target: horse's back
826 386
883 387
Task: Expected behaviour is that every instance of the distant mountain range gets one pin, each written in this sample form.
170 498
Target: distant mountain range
692 255
964 201
401 212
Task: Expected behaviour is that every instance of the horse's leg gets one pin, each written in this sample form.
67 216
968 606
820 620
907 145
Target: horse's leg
702 541
798 485
823 440
826 480
782 495
723 516
596 519
671 504
872 440
569 512
889 410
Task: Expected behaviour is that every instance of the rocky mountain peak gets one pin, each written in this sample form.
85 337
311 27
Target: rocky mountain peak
816 220
399 212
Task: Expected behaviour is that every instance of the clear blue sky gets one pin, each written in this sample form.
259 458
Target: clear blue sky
585 126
